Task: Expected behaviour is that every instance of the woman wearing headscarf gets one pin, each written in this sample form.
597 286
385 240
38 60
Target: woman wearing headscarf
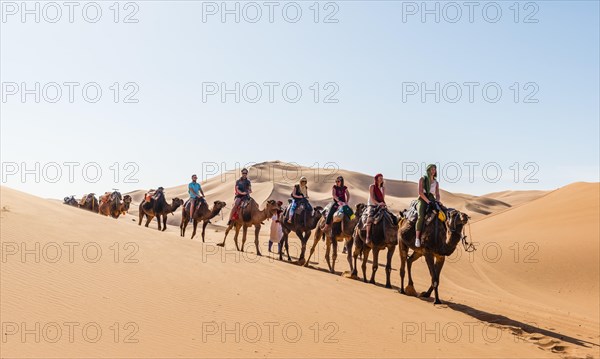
429 193
376 200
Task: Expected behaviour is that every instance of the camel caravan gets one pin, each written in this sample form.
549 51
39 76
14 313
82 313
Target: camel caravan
427 227
109 204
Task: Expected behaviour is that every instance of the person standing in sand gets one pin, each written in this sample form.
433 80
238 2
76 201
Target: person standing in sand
276 230
194 190
243 188
429 195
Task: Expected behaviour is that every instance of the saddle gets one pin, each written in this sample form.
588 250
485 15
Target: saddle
197 204
385 214
245 202
86 198
300 208
243 205
115 196
153 194
412 213
338 216
104 198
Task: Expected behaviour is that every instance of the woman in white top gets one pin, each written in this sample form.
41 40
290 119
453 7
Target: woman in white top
429 193
376 200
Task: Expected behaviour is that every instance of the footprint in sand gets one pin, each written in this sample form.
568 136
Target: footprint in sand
558 349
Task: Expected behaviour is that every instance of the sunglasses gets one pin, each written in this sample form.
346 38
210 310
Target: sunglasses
244 173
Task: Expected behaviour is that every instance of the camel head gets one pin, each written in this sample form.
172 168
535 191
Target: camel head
125 205
317 213
126 201
219 205
176 202
360 208
457 218
271 206
402 213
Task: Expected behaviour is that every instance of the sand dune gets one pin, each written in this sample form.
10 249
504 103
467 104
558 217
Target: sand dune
276 179
179 297
515 198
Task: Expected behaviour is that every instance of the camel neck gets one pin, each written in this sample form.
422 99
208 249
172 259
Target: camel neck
450 245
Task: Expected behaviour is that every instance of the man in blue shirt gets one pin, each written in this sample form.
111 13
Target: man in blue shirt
194 190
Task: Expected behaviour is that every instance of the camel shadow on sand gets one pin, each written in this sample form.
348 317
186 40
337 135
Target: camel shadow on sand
546 339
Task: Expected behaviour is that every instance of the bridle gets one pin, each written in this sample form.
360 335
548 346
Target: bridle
452 227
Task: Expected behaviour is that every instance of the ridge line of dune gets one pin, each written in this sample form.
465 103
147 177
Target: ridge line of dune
512 207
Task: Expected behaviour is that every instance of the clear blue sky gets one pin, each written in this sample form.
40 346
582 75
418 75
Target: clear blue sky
373 53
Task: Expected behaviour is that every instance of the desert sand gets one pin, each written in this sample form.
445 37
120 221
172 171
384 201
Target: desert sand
76 284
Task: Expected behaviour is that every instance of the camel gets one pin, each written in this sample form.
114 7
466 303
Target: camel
342 229
89 202
435 246
201 214
250 215
158 207
71 201
384 234
110 205
126 203
302 224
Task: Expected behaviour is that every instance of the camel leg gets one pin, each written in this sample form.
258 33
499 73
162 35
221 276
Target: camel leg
348 247
141 216
158 221
195 227
222 244
256 233
164 222
149 219
365 258
303 249
431 266
335 254
375 264
235 236
204 224
388 266
287 246
357 250
403 252
283 242
439 264
435 283
184 222
244 234
312 249
410 260
327 252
